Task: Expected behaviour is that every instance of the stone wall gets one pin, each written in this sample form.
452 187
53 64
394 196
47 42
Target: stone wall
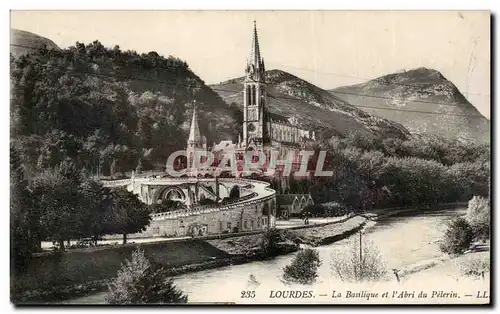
240 218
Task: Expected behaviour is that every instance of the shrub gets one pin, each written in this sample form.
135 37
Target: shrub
475 267
331 209
304 268
252 281
139 283
349 266
478 216
270 240
458 237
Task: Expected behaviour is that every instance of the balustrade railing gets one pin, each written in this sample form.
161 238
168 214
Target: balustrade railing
201 209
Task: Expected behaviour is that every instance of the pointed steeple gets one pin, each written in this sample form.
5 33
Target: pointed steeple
255 52
195 139
255 64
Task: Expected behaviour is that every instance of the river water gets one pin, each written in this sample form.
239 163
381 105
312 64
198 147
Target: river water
401 241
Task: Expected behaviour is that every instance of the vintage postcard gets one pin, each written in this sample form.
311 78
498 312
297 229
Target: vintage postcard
250 157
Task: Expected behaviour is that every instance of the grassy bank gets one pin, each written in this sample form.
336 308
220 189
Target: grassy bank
68 291
449 266
330 233
55 277
80 272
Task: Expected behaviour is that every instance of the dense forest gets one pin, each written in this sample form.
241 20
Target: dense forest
108 108
375 172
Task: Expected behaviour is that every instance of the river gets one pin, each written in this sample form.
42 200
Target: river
402 241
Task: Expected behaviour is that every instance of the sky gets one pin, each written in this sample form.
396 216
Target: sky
326 48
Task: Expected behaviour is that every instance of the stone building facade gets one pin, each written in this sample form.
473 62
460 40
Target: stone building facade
211 220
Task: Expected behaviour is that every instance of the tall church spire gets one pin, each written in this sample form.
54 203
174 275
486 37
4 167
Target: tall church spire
195 139
254 97
255 65
255 52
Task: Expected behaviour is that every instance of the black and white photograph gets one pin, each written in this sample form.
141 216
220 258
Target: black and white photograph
319 157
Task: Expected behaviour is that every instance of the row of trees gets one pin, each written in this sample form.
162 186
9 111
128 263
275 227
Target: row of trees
61 204
367 178
424 146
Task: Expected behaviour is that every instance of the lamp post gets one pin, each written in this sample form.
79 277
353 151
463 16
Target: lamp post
361 263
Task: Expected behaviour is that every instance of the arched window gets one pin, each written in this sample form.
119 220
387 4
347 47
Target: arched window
235 192
295 206
249 91
265 210
254 95
303 203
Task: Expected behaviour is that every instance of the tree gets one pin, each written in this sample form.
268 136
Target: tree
97 200
128 214
57 204
458 237
138 282
270 241
351 266
22 225
304 267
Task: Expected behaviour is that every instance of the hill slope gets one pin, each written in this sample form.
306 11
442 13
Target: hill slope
91 104
23 42
312 106
422 90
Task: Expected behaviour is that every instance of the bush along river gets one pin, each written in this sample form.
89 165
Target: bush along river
402 240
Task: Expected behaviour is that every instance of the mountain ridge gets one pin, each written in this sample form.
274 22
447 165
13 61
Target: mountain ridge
312 106
23 42
419 91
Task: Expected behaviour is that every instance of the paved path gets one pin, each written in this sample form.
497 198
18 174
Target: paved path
118 241
280 224
291 223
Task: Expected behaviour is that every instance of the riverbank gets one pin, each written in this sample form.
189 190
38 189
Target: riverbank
244 249
447 266
402 242
313 235
382 213
82 272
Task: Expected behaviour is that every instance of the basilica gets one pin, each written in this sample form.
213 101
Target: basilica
261 130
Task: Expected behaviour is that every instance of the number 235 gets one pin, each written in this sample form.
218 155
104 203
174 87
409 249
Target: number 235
247 294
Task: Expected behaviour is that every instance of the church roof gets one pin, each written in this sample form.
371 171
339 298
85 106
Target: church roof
287 199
